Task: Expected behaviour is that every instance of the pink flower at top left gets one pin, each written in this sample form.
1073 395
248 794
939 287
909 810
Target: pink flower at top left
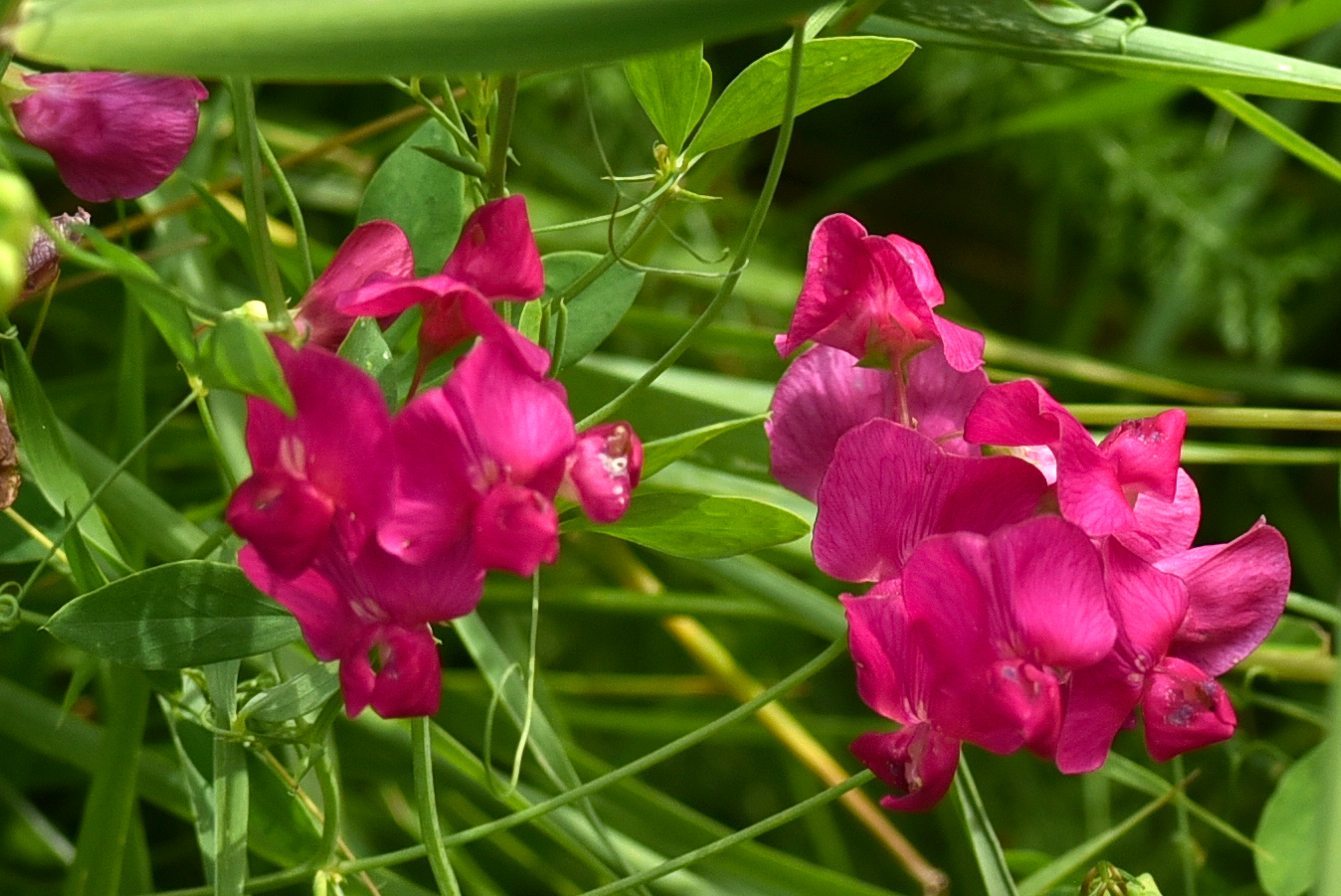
112 135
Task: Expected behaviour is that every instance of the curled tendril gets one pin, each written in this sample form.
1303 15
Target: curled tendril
10 617
1135 21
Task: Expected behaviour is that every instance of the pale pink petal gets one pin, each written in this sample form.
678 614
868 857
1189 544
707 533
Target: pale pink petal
604 469
889 487
1184 709
917 763
112 135
1236 593
496 253
822 396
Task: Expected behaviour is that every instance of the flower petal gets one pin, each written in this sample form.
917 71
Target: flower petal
1236 593
112 135
841 276
284 517
1145 452
1184 709
516 529
603 470
496 253
918 763
409 682
892 675
376 251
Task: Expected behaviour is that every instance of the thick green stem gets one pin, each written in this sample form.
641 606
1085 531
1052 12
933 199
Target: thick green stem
500 137
231 786
329 782
253 197
747 241
430 828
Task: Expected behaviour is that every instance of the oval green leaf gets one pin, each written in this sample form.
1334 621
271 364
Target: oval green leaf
701 527
340 40
181 614
831 68
1287 863
594 312
673 88
421 194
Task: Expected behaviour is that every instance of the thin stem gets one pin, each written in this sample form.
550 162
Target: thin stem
595 785
456 127
102 486
216 442
744 834
525 734
500 136
1185 845
38 536
291 203
253 195
746 246
329 782
430 828
1228 418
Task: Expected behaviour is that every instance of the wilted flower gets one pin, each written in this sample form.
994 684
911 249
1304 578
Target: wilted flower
44 256
112 135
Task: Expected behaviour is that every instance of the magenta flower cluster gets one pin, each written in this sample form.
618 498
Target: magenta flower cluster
1032 588
370 526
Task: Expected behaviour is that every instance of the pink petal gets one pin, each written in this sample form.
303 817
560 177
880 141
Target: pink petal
497 254
112 135
963 347
820 397
918 763
516 530
1099 702
841 276
1145 452
1185 709
940 398
409 682
1236 593
892 674
1052 575
1164 528
377 251
285 519
329 626
1031 699
357 682
603 470
889 487
379 296
515 419
446 585
924 280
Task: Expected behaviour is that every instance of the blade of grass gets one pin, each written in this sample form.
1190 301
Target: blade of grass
982 837
1277 132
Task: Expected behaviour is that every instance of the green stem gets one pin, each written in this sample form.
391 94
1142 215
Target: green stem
744 834
1228 418
1185 845
97 492
430 828
524 735
329 782
456 127
746 246
231 787
500 136
986 847
291 203
253 196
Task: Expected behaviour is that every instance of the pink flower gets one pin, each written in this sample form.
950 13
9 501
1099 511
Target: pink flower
873 297
321 486
888 488
825 393
322 477
112 135
376 253
1181 623
603 470
495 259
1130 484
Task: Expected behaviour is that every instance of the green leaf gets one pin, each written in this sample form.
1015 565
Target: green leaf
234 354
702 526
342 40
982 836
673 88
1277 132
295 697
594 312
1067 37
831 68
422 195
663 452
366 347
188 613
1288 832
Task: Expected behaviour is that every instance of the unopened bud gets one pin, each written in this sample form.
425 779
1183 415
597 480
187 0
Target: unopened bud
18 215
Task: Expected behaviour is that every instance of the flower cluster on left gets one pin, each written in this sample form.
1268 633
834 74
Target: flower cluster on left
370 527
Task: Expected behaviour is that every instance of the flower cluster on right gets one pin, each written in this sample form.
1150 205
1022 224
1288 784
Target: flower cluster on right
1033 588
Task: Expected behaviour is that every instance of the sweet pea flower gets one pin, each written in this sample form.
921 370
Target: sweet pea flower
322 478
889 487
874 298
375 253
1182 622
495 259
603 470
825 393
1130 484
112 135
